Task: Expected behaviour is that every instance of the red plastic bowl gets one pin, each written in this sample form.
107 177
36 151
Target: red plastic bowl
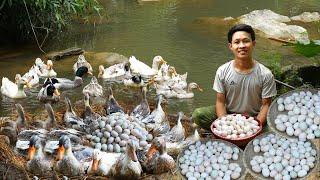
241 142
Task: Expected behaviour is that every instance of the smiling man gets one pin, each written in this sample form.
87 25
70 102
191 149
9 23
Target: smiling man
242 85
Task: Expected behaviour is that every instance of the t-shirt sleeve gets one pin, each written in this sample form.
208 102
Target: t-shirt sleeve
269 86
218 82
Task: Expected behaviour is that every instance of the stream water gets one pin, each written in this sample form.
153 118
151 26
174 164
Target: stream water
167 28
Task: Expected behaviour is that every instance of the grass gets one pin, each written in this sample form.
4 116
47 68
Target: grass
308 50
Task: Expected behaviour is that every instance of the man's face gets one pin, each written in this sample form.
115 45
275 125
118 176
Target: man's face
242 45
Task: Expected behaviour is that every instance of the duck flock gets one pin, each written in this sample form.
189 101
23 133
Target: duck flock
111 143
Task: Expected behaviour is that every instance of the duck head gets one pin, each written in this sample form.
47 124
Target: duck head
64 145
101 71
34 146
81 71
94 80
159 60
172 71
51 90
194 85
96 158
131 151
17 78
49 64
136 79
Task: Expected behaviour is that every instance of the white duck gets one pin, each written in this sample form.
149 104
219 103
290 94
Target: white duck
47 70
189 93
128 166
32 76
102 162
115 71
14 90
139 67
94 89
82 62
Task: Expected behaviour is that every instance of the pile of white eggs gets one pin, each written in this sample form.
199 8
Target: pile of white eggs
302 117
114 131
210 160
282 158
235 126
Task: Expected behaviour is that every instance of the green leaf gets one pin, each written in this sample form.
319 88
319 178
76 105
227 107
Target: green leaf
2 5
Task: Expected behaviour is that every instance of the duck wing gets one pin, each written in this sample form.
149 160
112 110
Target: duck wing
137 66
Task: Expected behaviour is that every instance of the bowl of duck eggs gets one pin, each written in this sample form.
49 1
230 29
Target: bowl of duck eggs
236 128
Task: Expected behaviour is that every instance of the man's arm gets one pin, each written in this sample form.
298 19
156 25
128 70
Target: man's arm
262 116
221 105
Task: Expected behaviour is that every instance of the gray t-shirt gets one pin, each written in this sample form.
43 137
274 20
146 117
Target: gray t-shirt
244 91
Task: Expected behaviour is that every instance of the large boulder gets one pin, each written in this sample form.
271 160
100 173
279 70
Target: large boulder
307 17
272 25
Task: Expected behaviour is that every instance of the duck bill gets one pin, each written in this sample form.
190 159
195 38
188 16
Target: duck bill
90 73
60 152
28 85
163 61
31 152
49 66
95 165
152 150
56 92
200 89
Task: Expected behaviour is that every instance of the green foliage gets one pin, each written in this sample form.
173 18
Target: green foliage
273 62
308 50
45 15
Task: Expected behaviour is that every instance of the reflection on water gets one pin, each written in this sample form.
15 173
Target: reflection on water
145 30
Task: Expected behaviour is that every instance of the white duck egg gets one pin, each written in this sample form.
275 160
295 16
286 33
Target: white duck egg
280 107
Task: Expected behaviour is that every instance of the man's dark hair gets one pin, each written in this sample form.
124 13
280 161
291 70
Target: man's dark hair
241 27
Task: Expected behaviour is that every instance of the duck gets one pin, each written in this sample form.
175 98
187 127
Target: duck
67 163
177 133
94 89
64 84
48 93
90 118
71 119
160 162
157 120
46 70
115 71
37 162
175 148
112 106
189 94
127 166
14 90
142 110
49 123
82 62
144 70
134 81
32 77
102 162
11 133
20 123
192 138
